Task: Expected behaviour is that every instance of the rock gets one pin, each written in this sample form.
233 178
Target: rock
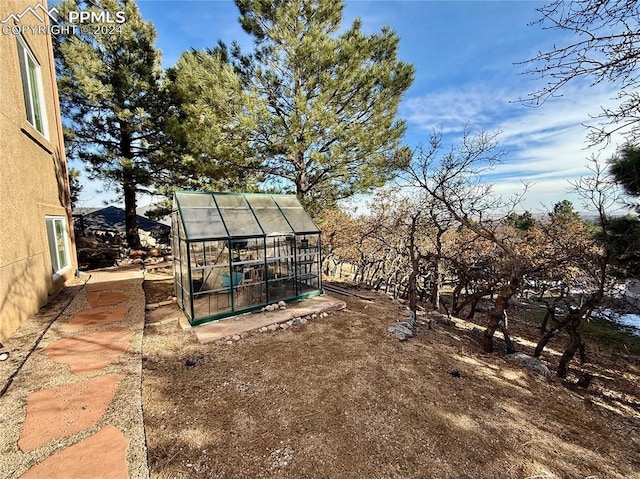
531 363
441 318
407 324
282 308
284 326
236 337
296 322
304 320
290 322
263 329
281 303
272 327
314 316
410 320
400 331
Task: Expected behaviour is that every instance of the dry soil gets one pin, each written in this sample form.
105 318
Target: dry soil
340 397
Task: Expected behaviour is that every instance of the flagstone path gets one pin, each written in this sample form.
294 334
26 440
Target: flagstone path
78 395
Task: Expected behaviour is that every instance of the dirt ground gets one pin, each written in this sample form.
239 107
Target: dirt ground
340 397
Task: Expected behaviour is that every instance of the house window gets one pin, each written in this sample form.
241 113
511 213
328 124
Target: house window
31 87
58 243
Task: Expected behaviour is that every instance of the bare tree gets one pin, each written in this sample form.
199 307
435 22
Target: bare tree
605 48
583 273
455 180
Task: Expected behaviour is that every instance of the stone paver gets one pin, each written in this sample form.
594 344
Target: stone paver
91 352
105 298
61 426
91 318
64 410
102 455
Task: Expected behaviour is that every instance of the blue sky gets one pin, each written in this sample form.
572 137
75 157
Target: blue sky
465 55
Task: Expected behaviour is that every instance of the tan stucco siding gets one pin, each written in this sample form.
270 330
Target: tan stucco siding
33 182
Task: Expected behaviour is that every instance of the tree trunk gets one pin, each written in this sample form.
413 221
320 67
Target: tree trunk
569 352
504 327
544 340
415 265
498 314
131 218
129 185
435 285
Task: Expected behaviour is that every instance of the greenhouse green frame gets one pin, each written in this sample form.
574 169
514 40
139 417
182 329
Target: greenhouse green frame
239 252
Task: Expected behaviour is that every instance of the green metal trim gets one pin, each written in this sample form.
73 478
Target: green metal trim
184 228
266 270
254 215
283 215
320 260
221 217
191 307
228 314
231 286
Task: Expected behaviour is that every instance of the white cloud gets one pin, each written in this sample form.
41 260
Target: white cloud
546 146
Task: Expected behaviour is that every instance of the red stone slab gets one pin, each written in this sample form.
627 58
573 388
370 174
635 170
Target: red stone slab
105 298
101 456
97 317
89 353
64 410
111 285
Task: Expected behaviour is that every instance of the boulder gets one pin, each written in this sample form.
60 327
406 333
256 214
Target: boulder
531 363
400 331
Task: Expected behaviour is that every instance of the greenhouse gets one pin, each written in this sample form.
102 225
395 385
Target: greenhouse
236 252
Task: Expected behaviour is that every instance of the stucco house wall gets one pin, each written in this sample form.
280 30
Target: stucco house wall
33 178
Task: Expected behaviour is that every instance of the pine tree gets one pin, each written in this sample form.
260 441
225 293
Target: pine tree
327 128
625 168
212 128
112 101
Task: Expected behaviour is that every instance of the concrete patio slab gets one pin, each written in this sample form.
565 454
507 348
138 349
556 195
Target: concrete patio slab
101 456
213 331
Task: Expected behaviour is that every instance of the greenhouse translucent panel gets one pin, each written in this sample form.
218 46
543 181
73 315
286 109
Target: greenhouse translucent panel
240 222
231 201
272 221
260 201
268 214
203 223
288 201
237 216
300 221
186 200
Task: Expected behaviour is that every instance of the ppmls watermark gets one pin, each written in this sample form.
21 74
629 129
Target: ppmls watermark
77 21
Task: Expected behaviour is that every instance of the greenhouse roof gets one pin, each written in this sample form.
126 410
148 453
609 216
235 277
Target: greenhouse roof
240 215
